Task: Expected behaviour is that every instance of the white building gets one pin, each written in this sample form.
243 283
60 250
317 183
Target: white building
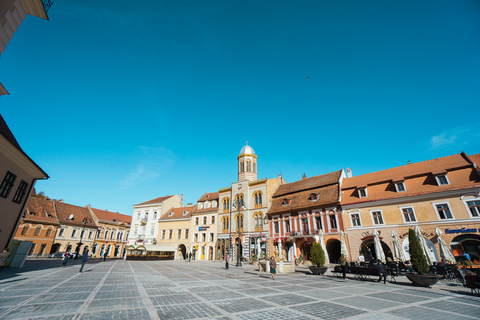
144 228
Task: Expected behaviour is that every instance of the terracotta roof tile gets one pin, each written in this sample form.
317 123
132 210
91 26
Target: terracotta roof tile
64 210
40 210
176 213
308 183
111 216
209 196
156 200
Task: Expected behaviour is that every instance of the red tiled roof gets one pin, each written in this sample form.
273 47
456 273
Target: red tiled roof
64 210
41 211
476 159
156 200
209 196
178 213
399 173
111 216
308 183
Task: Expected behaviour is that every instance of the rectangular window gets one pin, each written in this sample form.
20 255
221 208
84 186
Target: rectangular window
21 190
304 224
42 249
377 217
163 234
74 233
155 215
179 234
61 232
197 219
474 207
275 224
170 234
356 219
186 233
37 231
444 211
204 220
212 237
195 237
400 186
152 231
333 221
135 231
318 222
204 237
49 232
7 184
362 193
287 225
82 234
90 235
442 180
212 221
408 214
25 230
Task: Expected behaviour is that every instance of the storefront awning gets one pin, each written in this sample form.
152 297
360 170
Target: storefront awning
158 247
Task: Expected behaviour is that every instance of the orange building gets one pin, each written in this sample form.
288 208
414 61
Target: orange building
442 193
113 230
300 209
39 224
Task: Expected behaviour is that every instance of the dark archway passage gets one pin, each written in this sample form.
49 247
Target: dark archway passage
334 250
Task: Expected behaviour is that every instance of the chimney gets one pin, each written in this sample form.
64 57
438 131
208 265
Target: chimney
409 162
304 176
349 172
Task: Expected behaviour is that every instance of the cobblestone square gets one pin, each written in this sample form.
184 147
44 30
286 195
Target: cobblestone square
118 289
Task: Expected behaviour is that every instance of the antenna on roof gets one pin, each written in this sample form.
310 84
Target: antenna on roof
409 162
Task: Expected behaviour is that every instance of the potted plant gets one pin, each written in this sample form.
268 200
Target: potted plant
255 260
317 258
419 263
299 260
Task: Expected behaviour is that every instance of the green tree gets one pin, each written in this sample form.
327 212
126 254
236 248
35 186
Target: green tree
417 258
317 255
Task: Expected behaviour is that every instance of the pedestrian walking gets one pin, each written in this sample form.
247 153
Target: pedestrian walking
227 258
105 256
382 271
3 258
189 257
65 259
84 260
343 265
273 267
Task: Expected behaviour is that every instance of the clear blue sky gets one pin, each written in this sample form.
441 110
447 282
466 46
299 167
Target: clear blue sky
121 102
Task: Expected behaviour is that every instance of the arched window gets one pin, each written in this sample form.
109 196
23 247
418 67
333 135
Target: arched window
249 166
256 199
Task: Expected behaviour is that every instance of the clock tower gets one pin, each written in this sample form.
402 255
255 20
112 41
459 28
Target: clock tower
247 164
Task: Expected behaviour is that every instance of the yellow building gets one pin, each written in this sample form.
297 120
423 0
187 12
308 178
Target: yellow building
204 227
442 193
174 232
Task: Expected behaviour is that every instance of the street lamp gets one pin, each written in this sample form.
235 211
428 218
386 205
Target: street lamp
238 202
79 244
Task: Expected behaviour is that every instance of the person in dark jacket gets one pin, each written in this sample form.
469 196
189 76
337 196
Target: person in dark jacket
105 255
343 265
382 271
84 260
273 267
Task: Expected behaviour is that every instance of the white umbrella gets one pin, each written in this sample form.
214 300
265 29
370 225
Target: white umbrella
445 251
378 246
343 245
322 243
423 244
399 254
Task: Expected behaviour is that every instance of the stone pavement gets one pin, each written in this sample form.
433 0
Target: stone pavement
117 289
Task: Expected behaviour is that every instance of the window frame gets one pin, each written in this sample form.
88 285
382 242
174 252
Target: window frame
7 184
21 192
438 214
468 207
444 175
186 233
25 230
402 184
359 218
403 214
360 193
381 215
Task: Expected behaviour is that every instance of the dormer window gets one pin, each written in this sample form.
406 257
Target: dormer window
442 180
170 214
362 192
199 206
400 186
185 213
313 197
286 202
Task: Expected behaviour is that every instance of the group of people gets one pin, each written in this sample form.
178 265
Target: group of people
188 257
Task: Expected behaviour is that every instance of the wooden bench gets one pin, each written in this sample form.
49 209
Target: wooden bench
363 273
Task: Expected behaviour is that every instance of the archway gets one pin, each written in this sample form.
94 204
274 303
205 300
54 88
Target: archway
69 248
210 253
183 251
334 250
306 246
55 248
469 243
367 248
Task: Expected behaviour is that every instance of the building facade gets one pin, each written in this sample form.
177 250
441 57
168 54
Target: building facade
77 229
39 224
204 222
111 236
301 210
442 193
242 210
174 231
144 229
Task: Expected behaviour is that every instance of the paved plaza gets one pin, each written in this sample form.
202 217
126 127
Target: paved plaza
118 289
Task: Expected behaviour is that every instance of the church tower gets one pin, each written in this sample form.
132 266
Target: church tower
247 164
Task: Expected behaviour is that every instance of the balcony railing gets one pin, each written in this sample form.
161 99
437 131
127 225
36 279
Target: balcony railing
143 220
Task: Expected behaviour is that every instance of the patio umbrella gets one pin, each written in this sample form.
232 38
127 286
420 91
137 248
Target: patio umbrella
343 245
378 246
322 243
445 251
399 254
259 248
423 244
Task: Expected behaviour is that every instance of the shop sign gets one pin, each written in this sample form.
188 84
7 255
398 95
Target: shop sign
425 234
463 230
203 228
264 239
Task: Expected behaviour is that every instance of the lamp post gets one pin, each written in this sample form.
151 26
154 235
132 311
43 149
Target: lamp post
238 203
79 244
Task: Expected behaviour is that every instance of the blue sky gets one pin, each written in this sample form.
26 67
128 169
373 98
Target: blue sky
123 102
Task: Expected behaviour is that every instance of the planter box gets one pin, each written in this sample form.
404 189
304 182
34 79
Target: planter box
318 270
423 280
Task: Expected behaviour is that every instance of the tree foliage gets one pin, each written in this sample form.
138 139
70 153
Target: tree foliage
417 258
317 255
